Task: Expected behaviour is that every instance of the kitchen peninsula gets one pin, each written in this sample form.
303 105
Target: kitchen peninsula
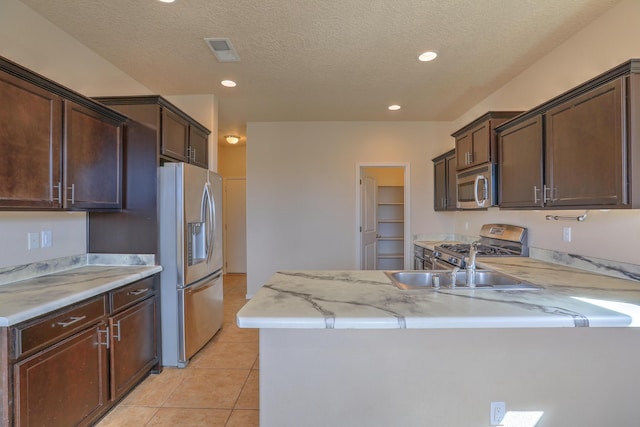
348 348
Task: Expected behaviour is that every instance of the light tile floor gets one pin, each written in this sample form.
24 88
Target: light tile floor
219 387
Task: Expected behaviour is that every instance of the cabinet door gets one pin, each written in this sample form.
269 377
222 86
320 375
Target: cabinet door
481 144
520 165
134 346
30 141
63 385
92 159
175 136
585 149
198 147
464 148
473 148
440 185
452 187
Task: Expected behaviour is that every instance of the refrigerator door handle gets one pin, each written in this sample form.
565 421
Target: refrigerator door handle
209 215
214 231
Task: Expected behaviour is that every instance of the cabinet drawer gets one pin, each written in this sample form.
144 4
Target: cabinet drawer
129 294
34 336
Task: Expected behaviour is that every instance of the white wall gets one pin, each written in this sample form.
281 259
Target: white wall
31 41
301 189
607 42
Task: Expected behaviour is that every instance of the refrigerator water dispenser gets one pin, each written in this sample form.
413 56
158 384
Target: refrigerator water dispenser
197 243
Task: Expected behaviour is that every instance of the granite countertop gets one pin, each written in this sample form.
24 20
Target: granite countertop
35 289
368 300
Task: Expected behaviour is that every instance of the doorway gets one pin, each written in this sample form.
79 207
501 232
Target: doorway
383 214
235 225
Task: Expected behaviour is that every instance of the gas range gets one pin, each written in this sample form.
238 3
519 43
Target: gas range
495 240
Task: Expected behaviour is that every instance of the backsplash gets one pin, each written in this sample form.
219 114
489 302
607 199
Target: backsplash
609 268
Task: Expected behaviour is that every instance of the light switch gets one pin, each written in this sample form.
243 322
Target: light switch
46 237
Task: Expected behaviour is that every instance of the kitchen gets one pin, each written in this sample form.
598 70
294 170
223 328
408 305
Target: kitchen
274 229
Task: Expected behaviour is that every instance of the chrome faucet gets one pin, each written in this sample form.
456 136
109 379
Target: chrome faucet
454 273
471 265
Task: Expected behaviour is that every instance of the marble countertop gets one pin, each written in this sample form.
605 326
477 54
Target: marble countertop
66 281
368 300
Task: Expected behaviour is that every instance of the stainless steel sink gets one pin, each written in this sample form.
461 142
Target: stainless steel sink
448 280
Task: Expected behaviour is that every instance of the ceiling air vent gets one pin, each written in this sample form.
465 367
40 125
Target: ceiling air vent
222 49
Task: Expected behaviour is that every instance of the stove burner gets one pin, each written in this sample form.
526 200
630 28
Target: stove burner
483 250
495 240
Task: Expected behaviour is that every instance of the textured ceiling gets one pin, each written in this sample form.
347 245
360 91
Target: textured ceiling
325 59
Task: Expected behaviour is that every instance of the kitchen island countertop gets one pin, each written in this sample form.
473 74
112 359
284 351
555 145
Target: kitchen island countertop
368 300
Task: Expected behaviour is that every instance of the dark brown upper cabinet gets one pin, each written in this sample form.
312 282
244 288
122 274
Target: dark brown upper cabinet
444 178
585 150
520 167
579 150
476 142
179 137
58 149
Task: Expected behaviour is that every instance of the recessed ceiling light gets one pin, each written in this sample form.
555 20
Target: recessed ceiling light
428 56
228 83
166 1
394 107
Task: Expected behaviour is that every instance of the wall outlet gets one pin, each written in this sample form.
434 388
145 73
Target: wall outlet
33 241
498 411
47 238
566 234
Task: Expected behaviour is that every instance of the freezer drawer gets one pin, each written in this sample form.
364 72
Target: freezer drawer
202 315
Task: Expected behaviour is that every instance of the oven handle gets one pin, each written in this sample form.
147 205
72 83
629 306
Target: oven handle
475 190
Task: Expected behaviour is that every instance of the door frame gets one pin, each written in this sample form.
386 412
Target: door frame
408 244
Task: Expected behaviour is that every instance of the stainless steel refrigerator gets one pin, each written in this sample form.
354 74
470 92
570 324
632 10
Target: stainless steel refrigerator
190 211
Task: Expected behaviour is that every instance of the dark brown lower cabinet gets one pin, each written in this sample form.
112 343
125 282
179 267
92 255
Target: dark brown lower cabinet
133 345
69 367
63 385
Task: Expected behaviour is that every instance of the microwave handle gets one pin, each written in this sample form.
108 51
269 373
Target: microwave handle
479 202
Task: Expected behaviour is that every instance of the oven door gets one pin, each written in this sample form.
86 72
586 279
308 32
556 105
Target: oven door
476 187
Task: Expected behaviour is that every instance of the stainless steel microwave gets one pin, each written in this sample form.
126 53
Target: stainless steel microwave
477 187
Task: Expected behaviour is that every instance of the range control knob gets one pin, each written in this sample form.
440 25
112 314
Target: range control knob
453 261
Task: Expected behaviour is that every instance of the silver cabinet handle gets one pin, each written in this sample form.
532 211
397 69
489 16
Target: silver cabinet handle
73 193
71 321
117 336
188 154
59 188
193 154
553 194
138 292
106 332
535 194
